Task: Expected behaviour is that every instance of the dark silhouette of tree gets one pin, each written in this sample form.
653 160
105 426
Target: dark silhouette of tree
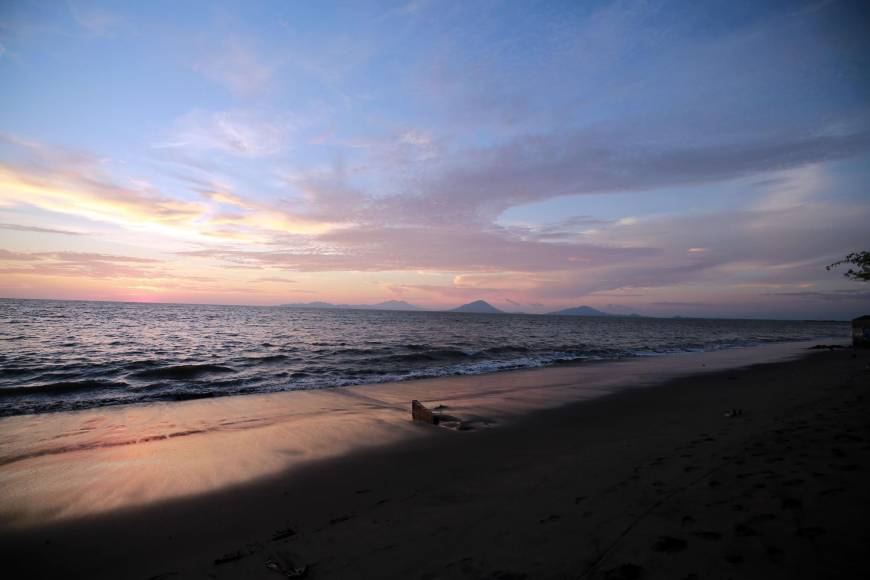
861 263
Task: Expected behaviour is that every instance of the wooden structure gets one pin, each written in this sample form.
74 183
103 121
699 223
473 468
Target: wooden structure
861 332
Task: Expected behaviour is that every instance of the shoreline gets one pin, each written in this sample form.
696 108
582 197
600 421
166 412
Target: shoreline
518 499
224 441
122 372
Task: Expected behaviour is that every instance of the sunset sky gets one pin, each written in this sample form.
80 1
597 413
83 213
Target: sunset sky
665 158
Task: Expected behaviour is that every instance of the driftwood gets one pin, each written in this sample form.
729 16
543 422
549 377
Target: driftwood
421 413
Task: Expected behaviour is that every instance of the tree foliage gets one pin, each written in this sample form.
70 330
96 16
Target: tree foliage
859 263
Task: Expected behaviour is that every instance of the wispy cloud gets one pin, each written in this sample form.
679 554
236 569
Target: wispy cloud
370 249
832 296
23 228
74 183
77 264
85 192
242 133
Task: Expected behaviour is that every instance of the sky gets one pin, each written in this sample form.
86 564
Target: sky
663 158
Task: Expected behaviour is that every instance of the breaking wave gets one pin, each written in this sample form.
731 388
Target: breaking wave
141 353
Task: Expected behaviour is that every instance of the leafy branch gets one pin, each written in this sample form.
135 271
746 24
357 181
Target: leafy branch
861 263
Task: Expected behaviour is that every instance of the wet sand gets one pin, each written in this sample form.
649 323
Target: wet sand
642 483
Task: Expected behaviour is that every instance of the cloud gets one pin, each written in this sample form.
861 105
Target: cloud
79 264
38 229
575 228
778 244
276 279
240 133
391 249
85 192
780 241
783 239
75 183
485 182
7 255
518 107
833 296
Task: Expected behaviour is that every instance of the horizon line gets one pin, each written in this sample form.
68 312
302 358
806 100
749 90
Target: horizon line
422 309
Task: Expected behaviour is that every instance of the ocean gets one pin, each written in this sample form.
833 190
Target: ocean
65 355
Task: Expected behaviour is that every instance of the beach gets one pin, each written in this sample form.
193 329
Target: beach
411 289
617 470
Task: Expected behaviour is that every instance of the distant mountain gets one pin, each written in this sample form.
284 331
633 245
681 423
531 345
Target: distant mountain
581 311
388 305
478 307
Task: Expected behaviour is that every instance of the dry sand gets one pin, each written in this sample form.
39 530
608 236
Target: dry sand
643 483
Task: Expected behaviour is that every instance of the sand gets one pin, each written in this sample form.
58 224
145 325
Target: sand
649 482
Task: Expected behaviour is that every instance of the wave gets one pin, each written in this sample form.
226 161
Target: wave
16 371
223 353
442 354
506 349
181 372
271 358
357 351
62 388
